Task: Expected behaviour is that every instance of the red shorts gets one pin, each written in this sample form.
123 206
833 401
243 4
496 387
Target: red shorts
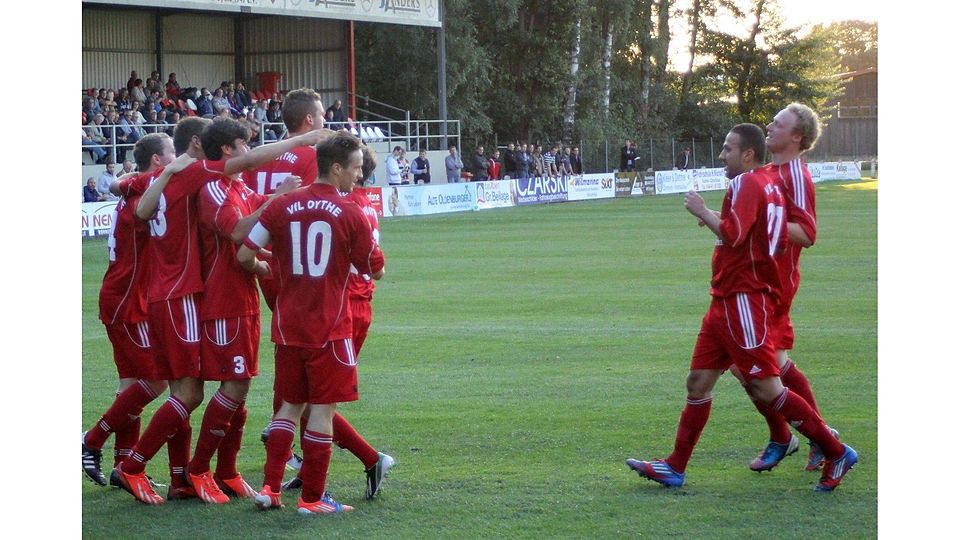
175 325
361 312
317 376
131 350
228 350
782 329
736 331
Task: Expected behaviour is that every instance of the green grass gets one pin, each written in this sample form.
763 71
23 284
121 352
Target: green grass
518 356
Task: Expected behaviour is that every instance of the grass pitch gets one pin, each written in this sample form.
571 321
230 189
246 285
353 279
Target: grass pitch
518 356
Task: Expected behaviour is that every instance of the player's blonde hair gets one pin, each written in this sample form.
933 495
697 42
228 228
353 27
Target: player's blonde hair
808 125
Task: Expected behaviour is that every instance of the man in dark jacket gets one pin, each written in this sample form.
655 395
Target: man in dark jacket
628 154
479 164
511 167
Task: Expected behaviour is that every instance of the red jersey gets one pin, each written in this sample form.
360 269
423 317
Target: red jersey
360 286
752 234
801 208
228 290
123 297
316 236
301 161
173 251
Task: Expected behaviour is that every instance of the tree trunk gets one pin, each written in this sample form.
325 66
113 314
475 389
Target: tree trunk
607 54
570 110
694 29
663 39
645 67
744 93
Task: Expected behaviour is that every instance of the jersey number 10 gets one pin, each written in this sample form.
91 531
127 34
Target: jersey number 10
319 232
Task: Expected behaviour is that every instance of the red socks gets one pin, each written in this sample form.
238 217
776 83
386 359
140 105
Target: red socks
346 437
230 445
124 440
779 429
806 420
279 439
178 452
127 406
317 448
692 421
795 380
165 423
216 423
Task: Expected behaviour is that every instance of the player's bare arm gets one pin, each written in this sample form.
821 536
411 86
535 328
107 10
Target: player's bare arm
151 197
695 204
248 261
796 235
268 152
243 227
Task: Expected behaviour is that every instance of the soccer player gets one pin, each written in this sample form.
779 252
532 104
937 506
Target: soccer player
173 296
745 289
793 131
360 292
229 315
123 311
316 236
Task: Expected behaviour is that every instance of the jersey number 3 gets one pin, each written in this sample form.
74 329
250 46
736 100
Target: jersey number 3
319 237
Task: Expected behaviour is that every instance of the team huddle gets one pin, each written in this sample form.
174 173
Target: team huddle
205 219
197 227
768 216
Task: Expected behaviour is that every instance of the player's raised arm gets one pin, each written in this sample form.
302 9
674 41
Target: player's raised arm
243 227
268 152
151 197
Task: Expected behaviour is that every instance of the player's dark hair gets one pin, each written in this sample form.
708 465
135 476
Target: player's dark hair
336 149
220 132
147 147
187 128
369 163
751 138
297 105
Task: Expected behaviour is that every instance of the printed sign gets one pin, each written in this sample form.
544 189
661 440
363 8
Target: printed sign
424 200
495 194
590 186
673 181
710 179
623 184
97 218
541 190
375 195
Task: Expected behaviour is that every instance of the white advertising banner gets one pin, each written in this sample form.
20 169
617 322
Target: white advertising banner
591 186
710 179
834 170
97 218
495 194
415 12
673 181
424 200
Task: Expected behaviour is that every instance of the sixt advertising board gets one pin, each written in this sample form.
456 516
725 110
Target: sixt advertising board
710 179
495 194
425 200
541 190
97 218
590 186
675 181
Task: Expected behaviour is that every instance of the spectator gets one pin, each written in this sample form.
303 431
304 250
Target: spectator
243 97
493 164
564 166
538 164
275 117
421 168
127 167
96 152
404 168
260 111
107 103
523 162
576 164
154 82
479 163
132 81
107 177
685 161
453 165
550 163
128 128
628 154
89 109
150 124
172 120
90 193
395 167
235 108
219 101
339 115
123 100
510 165
204 104
137 92
172 87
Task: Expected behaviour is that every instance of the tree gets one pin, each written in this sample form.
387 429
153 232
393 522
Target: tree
855 42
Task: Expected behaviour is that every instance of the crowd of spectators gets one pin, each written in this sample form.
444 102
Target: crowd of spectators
122 116
517 161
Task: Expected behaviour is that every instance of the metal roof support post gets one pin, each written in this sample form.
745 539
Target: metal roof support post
442 74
